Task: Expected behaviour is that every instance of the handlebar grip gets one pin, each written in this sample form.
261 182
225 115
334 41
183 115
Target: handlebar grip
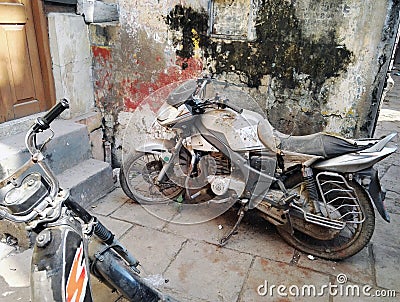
43 123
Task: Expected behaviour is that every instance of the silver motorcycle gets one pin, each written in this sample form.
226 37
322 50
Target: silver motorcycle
319 190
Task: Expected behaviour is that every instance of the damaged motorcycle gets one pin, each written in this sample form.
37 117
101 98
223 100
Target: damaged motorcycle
319 190
70 242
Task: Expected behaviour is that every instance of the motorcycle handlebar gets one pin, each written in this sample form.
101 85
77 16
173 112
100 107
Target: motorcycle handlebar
232 106
43 123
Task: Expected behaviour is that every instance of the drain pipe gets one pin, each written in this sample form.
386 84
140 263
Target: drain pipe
107 152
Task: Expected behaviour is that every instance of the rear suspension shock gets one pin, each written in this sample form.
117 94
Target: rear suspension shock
308 177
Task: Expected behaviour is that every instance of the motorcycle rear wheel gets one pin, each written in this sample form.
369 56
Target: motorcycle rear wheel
137 179
340 247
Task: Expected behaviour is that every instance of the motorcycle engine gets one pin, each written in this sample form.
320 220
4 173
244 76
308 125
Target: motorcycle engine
221 180
20 200
219 185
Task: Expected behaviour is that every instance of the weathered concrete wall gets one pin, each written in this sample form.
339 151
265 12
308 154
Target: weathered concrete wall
72 61
311 64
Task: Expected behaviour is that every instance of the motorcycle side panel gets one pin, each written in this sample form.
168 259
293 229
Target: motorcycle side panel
198 142
59 270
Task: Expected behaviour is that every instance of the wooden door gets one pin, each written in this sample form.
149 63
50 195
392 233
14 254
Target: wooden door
22 86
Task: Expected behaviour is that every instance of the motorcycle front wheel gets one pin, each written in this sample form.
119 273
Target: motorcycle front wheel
352 238
138 177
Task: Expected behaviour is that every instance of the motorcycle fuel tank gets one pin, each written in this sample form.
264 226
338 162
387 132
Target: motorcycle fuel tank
238 131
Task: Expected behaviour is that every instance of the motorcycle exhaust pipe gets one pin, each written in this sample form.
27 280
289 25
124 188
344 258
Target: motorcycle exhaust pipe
108 267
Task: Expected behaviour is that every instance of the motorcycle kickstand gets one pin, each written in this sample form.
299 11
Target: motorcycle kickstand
241 212
288 226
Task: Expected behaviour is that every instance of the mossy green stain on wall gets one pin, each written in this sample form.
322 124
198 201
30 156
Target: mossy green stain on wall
280 50
192 25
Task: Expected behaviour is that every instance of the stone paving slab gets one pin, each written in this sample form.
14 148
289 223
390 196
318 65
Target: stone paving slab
391 179
255 236
387 266
5 250
392 202
208 272
265 276
12 294
210 231
260 239
154 249
117 227
386 127
135 213
101 293
107 206
14 276
358 268
16 268
350 292
387 234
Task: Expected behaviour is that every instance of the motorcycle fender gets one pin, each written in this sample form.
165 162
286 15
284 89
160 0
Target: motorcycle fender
156 146
376 192
60 269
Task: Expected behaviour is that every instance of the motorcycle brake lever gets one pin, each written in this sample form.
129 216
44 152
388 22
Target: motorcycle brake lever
47 140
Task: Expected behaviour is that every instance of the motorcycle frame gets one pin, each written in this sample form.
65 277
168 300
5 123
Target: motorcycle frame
357 165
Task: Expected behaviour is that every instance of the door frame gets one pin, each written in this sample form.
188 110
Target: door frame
42 40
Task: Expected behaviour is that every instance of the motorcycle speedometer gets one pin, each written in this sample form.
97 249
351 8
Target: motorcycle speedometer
21 199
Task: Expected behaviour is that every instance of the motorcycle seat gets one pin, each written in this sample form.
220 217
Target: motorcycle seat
318 144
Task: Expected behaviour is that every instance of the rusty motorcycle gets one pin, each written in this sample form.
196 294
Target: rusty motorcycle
319 190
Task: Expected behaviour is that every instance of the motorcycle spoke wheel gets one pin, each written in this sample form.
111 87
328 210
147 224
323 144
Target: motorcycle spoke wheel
138 180
351 239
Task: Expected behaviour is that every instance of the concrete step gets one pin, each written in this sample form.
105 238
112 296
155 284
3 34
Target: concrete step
17 126
88 181
69 147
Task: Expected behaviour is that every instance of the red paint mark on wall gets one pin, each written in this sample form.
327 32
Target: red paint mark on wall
103 75
131 90
135 92
101 53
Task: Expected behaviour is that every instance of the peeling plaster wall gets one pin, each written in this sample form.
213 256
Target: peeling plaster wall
312 65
